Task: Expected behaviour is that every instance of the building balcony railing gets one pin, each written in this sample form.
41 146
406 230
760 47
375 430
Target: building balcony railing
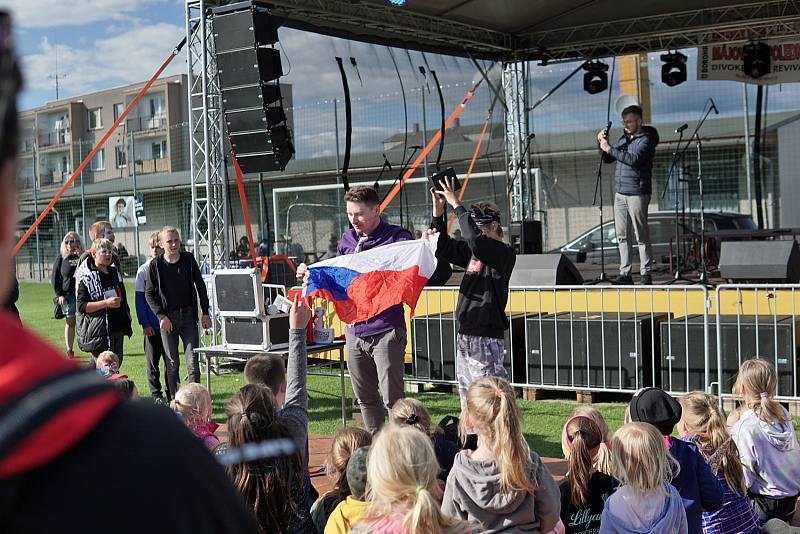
54 138
142 124
26 145
152 166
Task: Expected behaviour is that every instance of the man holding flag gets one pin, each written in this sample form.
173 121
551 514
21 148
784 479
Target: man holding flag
376 344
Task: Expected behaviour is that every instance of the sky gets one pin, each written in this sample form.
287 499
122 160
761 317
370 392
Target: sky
98 44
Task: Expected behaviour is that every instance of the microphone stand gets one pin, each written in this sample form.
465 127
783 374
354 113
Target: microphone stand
676 155
598 195
703 274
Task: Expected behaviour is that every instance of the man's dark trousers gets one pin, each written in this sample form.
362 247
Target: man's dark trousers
154 353
184 326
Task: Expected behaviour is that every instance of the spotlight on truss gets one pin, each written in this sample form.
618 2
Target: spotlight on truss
673 71
595 80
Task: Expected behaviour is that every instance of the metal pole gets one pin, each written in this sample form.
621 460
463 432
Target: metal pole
135 218
83 199
261 206
338 167
36 210
424 130
747 154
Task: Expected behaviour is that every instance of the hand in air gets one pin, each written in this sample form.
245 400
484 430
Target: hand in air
448 192
438 203
300 314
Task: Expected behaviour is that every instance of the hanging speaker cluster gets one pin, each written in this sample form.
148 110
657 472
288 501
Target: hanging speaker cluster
249 67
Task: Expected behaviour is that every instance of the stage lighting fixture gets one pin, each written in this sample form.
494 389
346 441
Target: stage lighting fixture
595 80
756 59
673 71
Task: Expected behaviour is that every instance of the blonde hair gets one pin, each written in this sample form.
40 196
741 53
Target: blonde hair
602 460
756 383
347 440
105 356
96 229
154 240
193 402
701 417
103 244
166 230
411 412
401 478
78 245
580 440
640 460
492 410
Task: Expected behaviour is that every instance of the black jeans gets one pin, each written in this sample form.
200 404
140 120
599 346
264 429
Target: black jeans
154 353
184 326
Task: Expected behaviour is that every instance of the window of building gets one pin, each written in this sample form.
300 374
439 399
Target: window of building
95 118
98 162
118 109
157 106
160 149
121 157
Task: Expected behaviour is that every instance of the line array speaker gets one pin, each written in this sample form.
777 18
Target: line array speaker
249 67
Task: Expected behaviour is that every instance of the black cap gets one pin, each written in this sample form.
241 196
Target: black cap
654 406
357 473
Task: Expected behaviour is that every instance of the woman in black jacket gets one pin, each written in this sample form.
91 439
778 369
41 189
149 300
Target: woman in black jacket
63 280
103 315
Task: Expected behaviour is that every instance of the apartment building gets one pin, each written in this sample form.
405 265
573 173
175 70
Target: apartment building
57 136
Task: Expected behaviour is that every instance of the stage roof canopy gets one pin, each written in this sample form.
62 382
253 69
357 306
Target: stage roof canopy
543 29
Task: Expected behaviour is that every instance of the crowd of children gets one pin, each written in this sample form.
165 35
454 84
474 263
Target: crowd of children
737 476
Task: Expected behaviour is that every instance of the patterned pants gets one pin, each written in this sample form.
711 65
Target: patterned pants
478 356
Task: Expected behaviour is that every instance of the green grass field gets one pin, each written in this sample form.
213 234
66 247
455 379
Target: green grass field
543 419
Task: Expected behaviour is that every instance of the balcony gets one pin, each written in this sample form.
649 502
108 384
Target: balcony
26 145
143 124
26 181
152 166
54 138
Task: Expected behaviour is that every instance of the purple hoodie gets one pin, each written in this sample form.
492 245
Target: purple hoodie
383 234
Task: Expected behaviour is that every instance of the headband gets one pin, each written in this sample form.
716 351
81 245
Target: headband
483 217
565 436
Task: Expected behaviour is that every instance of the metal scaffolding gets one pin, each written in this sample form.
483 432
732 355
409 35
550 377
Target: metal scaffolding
515 92
207 153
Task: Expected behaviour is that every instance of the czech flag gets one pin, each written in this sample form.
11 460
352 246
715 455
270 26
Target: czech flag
364 284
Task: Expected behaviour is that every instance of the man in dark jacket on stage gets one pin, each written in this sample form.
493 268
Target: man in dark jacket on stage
634 153
74 457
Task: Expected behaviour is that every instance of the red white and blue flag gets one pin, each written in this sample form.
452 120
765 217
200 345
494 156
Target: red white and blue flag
362 285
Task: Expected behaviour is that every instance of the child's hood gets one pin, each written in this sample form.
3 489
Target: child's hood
668 520
480 481
779 434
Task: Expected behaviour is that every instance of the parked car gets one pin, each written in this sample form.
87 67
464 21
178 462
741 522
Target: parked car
586 247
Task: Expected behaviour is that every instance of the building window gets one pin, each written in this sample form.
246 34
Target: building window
159 150
95 118
121 156
118 109
98 162
157 106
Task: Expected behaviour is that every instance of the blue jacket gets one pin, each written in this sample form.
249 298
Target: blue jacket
634 156
144 314
699 488
671 519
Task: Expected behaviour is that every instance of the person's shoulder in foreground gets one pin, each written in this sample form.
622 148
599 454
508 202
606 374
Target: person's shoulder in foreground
107 448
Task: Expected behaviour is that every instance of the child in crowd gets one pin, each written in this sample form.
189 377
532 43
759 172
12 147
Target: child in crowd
645 500
602 460
697 485
107 364
153 345
348 512
193 403
703 424
277 490
402 488
347 440
584 490
768 448
502 484
408 411
125 386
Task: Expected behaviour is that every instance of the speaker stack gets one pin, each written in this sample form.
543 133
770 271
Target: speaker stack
249 67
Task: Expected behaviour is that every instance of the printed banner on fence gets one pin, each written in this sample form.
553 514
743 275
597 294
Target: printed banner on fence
121 212
141 218
725 62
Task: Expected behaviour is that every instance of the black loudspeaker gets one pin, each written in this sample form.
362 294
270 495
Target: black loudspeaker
526 237
612 351
433 343
248 67
544 270
776 261
682 354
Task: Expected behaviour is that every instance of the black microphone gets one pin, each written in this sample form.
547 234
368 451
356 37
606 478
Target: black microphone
530 136
681 128
713 106
415 147
606 130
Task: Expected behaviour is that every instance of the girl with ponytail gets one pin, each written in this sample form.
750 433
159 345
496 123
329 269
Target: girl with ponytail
402 490
602 460
584 490
702 424
768 448
502 484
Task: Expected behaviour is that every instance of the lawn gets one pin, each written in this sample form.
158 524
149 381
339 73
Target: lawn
543 419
